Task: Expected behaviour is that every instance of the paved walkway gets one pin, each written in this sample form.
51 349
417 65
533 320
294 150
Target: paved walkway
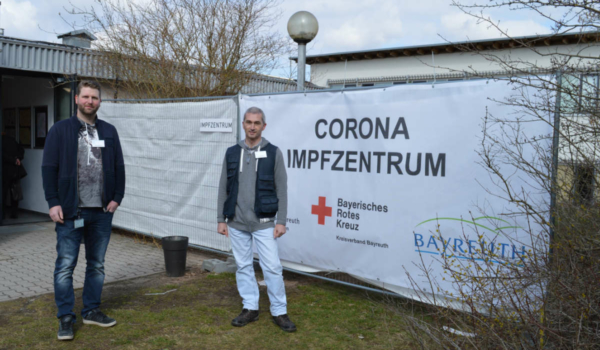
26 217
28 253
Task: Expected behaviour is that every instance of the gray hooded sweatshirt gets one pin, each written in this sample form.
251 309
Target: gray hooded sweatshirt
245 219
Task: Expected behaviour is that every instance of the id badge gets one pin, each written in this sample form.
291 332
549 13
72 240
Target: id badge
98 143
79 223
261 154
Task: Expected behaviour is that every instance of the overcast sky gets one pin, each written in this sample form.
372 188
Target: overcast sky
344 25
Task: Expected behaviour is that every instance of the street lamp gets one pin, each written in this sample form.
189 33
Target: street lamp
302 27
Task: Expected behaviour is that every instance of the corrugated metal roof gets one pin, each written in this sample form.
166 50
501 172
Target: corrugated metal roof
46 57
39 56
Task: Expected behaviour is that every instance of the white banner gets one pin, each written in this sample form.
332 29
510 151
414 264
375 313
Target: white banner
372 173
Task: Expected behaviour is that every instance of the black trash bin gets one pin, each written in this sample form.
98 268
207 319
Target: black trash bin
175 249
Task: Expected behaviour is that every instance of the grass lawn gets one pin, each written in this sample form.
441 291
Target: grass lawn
198 314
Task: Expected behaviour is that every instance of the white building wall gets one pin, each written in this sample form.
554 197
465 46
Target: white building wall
444 62
23 92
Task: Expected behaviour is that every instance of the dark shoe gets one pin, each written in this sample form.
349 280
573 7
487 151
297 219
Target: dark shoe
96 317
245 317
284 322
65 328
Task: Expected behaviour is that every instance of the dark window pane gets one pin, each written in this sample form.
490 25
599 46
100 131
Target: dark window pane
9 122
584 183
41 126
63 100
25 126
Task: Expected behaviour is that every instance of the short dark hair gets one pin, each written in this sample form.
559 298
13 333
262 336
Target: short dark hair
256 110
89 84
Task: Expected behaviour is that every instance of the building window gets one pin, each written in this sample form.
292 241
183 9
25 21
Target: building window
369 84
24 126
20 124
584 184
9 125
399 82
63 102
419 81
579 93
350 85
41 126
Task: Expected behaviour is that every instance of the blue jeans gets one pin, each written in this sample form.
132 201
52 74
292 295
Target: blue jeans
268 254
96 234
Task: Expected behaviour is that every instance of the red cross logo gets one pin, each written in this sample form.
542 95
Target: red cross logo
321 210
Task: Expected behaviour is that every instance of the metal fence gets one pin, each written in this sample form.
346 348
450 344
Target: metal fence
160 139
202 227
173 168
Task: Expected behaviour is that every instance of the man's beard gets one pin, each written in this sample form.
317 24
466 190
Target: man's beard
81 109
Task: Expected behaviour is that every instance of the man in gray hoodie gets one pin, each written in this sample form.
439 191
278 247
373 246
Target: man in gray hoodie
252 205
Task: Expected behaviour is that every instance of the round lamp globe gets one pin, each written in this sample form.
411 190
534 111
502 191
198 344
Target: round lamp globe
303 27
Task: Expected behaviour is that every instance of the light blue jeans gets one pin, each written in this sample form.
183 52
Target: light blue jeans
268 254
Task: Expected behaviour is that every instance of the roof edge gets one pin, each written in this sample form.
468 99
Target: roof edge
450 47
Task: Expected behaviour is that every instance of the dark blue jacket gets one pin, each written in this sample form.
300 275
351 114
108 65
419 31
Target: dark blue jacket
59 165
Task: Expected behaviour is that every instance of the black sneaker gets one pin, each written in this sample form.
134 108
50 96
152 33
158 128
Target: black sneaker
65 328
245 317
284 322
96 317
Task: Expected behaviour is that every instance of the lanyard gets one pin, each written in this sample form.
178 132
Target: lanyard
248 158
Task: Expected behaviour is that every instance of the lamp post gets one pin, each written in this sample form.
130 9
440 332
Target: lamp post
302 28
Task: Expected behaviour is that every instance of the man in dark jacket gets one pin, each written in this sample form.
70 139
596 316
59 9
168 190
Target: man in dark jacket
12 171
84 183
